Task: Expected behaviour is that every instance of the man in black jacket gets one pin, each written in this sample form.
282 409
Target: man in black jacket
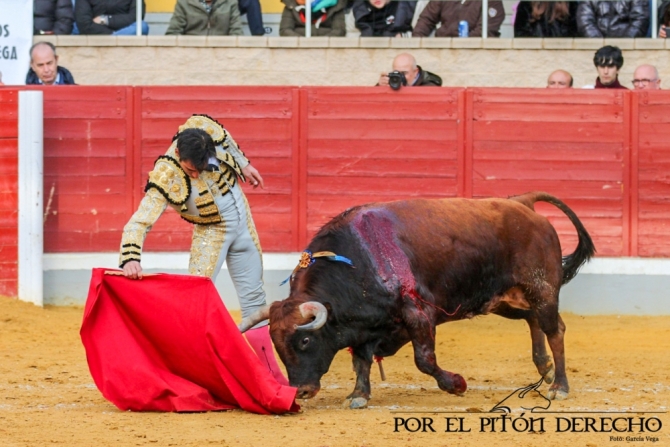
618 18
44 69
52 17
108 17
384 18
414 75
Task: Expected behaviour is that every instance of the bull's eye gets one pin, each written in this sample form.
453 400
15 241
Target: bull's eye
304 342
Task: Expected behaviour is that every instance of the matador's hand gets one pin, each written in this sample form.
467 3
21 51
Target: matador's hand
132 270
253 176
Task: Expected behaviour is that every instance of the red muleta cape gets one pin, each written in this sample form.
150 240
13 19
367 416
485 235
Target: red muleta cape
168 343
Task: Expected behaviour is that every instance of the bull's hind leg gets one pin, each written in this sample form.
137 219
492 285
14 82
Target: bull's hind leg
551 324
541 359
541 292
422 334
555 331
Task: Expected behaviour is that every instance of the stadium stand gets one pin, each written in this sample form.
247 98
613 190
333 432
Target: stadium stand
160 11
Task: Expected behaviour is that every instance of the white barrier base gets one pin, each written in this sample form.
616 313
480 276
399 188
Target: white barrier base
287 261
605 286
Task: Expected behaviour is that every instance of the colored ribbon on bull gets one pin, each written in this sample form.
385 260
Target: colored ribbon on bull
308 258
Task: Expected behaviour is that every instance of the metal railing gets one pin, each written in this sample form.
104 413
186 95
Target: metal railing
485 17
138 17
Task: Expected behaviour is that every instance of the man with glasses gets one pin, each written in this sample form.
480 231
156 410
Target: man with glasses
646 78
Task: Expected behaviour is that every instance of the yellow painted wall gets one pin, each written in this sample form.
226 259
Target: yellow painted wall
267 6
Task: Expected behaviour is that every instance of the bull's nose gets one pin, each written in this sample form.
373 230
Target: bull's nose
304 394
307 391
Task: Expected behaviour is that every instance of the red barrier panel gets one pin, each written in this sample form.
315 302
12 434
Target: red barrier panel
366 145
322 150
574 146
88 149
651 175
9 237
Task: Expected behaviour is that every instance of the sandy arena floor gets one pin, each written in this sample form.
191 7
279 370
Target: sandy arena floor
47 396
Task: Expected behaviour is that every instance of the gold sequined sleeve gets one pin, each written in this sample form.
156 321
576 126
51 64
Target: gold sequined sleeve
151 207
233 149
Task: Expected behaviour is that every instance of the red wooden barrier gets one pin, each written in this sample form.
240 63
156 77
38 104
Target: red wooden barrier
651 175
8 191
574 146
87 153
364 145
322 150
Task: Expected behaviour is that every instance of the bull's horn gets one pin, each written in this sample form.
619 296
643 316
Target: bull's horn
252 320
316 310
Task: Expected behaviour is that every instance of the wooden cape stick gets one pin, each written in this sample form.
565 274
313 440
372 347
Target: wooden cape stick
120 273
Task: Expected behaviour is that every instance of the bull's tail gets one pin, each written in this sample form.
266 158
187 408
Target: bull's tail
585 248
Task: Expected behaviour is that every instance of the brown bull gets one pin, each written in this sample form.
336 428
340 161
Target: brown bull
417 264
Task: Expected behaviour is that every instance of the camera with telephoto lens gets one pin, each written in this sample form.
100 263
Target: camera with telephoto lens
397 80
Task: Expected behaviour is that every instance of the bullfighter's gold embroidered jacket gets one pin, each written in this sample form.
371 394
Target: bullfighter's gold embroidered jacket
193 199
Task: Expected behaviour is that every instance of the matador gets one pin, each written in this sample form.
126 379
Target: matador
199 176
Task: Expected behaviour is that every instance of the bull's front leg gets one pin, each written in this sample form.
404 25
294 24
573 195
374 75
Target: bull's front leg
422 333
362 361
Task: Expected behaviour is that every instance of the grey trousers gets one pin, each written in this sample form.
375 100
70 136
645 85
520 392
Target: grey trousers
234 241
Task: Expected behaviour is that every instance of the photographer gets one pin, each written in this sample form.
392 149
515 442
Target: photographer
407 73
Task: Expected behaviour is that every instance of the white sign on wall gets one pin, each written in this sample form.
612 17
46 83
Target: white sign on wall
16 37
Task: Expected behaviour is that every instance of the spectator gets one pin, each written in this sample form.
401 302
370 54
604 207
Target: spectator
413 74
619 18
559 79
546 19
449 13
205 18
115 17
608 61
646 78
327 18
384 17
44 69
52 17
252 8
664 19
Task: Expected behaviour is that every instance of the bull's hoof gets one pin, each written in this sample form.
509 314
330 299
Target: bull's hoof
545 366
557 394
460 386
452 384
356 403
549 376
